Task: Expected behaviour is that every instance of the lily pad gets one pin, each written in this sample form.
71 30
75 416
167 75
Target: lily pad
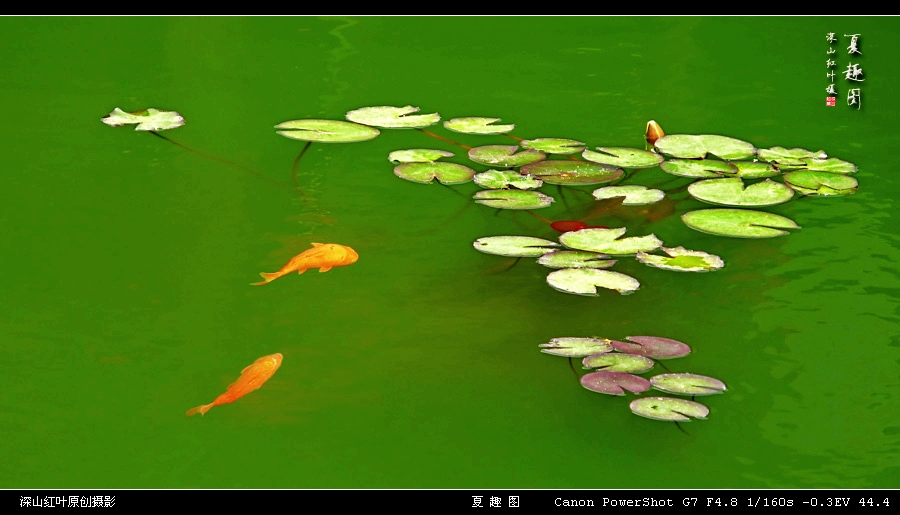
504 155
668 408
392 117
682 260
513 199
687 384
614 383
687 146
752 170
623 157
576 347
499 179
832 164
572 172
148 120
618 362
731 192
605 241
477 125
652 347
417 155
585 281
699 168
514 246
575 259
634 195
820 183
326 131
447 173
553 145
789 157
738 223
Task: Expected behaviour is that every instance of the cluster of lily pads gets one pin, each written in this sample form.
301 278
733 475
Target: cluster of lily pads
616 365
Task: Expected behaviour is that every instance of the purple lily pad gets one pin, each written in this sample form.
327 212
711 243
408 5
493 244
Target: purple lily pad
613 383
653 347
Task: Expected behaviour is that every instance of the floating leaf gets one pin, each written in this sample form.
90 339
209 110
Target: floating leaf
614 383
513 199
477 125
392 117
572 172
514 246
447 173
833 165
617 362
148 120
585 281
326 131
576 347
668 408
751 170
623 157
687 384
682 260
553 145
786 157
699 168
688 146
498 179
575 259
820 183
504 155
652 347
634 195
738 223
606 242
731 192
417 155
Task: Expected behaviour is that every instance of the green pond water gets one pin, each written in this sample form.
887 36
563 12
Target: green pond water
127 260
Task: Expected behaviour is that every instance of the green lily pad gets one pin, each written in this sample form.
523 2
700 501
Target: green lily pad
499 179
477 125
832 164
738 223
623 157
447 173
572 172
652 347
699 168
417 155
668 409
789 157
820 183
687 146
585 281
148 120
614 383
513 199
575 259
576 347
687 384
617 362
514 246
392 117
682 260
753 170
553 145
606 242
326 131
504 155
731 192
634 195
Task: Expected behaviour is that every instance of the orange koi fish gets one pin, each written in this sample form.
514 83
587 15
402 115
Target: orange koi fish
654 132
251 379
323 256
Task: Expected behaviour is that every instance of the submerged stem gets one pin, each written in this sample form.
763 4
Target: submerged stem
448 140
297 162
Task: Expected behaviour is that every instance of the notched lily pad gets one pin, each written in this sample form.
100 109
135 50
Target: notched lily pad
504 155
326 131
553 145
147 120
614 383
738 223
699 168
513 199
820 183
447 173
687 384
652 347
576 347
682 260
605 241
575 259
623 157
788 157
392 117
731 192
832 164
687 146
418 155
477 125
634 195
668 409
754 170
585 281
618 362
500 179
572 172
514 246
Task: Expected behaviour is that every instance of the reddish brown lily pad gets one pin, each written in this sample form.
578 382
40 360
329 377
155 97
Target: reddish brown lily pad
614 383
652 347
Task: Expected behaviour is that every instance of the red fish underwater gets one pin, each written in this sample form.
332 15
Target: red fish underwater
323 256
251 379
